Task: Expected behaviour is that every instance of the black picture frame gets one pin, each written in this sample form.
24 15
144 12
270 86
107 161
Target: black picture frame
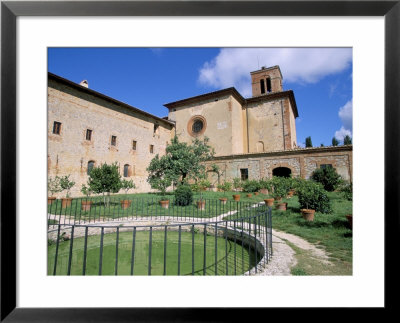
10 10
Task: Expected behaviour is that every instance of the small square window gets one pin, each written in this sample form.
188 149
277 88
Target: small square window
113 140
244 174
134 145
151 149
323 166
88 134
57 127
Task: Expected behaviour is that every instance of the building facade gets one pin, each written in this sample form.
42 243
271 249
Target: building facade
253 137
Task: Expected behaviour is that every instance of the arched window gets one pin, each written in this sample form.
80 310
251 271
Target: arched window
260 147
269 87
127 171
262 86
90 166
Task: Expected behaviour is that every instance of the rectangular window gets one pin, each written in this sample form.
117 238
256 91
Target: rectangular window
57 127
113 140
88 134
134 145
325 166
244 174
155 128
151 149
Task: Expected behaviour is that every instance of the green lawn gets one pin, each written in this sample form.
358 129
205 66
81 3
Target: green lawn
147 204
328 230
226 251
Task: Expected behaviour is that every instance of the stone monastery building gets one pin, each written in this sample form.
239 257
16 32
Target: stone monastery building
253 137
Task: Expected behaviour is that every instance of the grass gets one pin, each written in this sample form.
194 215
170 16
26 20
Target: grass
330 231
226 251
147 204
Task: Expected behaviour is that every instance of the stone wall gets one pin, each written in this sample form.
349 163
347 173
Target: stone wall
301 162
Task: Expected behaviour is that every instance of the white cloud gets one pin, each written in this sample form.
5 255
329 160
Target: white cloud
346 116
232 66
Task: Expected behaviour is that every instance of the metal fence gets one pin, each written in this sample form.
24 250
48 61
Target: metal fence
235 246
94 210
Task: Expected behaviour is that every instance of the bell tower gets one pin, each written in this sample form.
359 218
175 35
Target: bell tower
266 80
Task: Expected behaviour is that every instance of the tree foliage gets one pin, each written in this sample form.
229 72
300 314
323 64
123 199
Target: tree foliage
66 184
335 142
183 195
308 142
313 196
347 140
328 177
105 179
181 163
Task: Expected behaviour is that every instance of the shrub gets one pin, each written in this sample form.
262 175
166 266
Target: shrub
313 196
66 185
347 190
280 186
328 177
127 185
237 183
251 186
183 195
265 183
53 185
227 186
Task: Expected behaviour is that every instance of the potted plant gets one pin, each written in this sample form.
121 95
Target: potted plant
66 185
280 190
250 186
224 187
313 198
264 186
126 186
269 202
162 185
202 185
53 186
85 204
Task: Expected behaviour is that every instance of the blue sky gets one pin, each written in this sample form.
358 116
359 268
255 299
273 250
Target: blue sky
147 78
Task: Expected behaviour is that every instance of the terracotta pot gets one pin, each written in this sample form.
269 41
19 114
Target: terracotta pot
66 202
223 200
269 202
256 193
86 205
125 203
249 195
308 214
50 200
290 193
201 205
281 206
349 218
164 204
236 197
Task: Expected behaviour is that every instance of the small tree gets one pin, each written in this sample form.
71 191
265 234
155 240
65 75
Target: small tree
328 177
66 185
53 185
281 187
86 190
335 142
347 140
308 142
251 186
127 185
105 179
237 183
225 187
313 196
